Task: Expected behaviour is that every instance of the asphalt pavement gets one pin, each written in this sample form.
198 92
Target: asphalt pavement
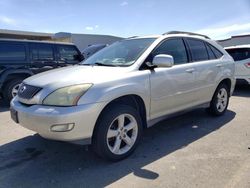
192 150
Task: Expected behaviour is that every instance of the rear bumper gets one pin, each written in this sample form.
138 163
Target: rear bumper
41 119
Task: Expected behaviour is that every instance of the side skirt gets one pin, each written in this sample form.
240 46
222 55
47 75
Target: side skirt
156 120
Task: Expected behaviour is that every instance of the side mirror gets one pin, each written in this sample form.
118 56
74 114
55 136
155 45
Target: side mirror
163 60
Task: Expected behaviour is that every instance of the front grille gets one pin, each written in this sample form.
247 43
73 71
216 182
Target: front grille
27 92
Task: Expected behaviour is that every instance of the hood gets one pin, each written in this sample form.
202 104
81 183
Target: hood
77 74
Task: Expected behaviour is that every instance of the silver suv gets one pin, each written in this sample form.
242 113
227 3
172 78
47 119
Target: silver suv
126 87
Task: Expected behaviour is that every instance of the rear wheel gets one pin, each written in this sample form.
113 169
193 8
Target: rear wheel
219 103
118 131
11 89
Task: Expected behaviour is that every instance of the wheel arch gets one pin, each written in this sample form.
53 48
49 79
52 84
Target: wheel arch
227 82
132 100
12 74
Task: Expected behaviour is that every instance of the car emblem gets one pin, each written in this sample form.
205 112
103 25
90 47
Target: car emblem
22 89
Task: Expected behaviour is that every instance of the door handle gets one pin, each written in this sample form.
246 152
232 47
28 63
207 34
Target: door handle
191 70
219 65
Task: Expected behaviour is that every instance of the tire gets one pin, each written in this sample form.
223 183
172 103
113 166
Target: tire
110 123
220 100
9 89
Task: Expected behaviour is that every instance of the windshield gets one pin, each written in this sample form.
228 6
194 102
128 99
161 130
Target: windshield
121 53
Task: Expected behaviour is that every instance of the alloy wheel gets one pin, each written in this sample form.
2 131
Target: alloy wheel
122 134
222 100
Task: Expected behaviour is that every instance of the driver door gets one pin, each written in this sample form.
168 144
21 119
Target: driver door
172 88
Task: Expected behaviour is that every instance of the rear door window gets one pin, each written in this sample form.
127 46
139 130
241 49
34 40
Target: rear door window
12 51
42 52
239 54
198 50
211 54
67 53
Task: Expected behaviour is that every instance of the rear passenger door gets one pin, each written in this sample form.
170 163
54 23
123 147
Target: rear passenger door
67 55
42 57
206 60
172 88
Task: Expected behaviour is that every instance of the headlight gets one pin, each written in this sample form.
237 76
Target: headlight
66 96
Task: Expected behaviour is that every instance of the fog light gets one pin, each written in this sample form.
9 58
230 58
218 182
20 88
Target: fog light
62 127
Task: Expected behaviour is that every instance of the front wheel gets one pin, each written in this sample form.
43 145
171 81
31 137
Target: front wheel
117 133
219 103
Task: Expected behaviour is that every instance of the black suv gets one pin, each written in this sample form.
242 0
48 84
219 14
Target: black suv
20 59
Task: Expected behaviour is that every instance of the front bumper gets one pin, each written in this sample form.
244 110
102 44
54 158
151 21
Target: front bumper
41 119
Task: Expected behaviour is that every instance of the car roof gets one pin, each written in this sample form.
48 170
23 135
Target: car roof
238 46
36 41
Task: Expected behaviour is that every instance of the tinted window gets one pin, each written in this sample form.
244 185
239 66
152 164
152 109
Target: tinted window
12 52
239 54
67 52
198 50
216 52
42 52
210 52
175 48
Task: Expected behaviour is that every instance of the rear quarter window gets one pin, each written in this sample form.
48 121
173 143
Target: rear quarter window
239 54
12 51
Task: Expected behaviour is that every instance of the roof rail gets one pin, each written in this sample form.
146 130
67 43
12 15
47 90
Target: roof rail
188 33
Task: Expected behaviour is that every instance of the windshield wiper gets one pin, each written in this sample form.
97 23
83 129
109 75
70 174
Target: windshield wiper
98 63
103 64
81 63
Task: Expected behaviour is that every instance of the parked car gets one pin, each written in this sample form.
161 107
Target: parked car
20 59
91 49
110 98
241 56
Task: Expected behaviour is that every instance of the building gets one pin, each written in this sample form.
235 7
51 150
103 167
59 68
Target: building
235 40
12 34
80 40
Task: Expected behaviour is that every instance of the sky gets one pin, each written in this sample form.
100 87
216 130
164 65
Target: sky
218 19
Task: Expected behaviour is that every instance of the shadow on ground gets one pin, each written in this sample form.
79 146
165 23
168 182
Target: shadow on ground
35 162
242 91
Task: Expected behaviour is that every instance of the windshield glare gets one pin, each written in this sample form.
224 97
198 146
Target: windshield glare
121 53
